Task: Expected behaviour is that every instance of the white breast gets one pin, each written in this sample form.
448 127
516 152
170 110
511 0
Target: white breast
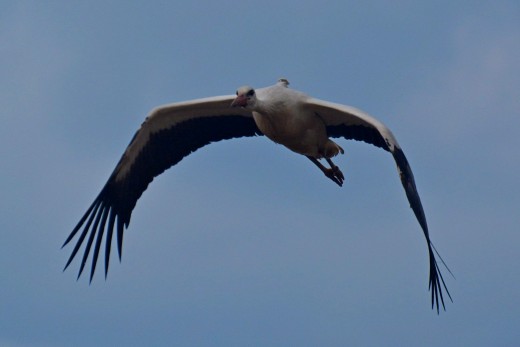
283 119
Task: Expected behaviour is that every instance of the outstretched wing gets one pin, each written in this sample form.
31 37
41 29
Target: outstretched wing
353 124
166 136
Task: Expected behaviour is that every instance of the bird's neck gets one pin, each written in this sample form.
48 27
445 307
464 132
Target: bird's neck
264 107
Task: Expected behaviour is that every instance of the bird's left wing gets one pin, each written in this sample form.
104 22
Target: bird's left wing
353 124
166 136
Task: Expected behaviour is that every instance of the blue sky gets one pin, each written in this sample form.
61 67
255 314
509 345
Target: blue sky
244 242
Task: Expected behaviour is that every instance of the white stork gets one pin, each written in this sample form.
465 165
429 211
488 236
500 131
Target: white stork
288 117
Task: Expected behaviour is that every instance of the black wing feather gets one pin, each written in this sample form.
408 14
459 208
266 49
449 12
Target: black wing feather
164 149
372 136
358 133
108 242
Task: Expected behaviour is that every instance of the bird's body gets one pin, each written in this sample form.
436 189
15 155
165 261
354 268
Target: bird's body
299 122
285 121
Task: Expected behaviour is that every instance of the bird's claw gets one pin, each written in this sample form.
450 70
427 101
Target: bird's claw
335 174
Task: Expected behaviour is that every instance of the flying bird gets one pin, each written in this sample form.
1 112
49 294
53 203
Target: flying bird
301 123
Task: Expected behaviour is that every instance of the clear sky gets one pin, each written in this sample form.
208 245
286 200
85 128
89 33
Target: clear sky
244 242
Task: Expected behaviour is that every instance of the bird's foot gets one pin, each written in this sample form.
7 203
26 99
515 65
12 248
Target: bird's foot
335 174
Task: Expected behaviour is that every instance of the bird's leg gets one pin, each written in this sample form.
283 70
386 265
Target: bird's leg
333 173
335 169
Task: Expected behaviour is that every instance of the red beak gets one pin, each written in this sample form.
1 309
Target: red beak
240 101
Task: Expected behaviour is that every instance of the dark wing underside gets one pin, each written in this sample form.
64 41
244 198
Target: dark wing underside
113 206
358 133
374 137
352 124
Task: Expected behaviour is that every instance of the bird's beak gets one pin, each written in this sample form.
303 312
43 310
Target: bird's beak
240 101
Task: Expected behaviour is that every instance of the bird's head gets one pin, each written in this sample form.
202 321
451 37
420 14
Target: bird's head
246 98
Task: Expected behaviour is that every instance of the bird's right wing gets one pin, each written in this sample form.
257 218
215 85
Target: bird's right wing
353 124
166 136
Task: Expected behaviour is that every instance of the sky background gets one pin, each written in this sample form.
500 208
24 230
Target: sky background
244 242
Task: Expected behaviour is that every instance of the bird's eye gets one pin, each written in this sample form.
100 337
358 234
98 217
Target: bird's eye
251 92
236 92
